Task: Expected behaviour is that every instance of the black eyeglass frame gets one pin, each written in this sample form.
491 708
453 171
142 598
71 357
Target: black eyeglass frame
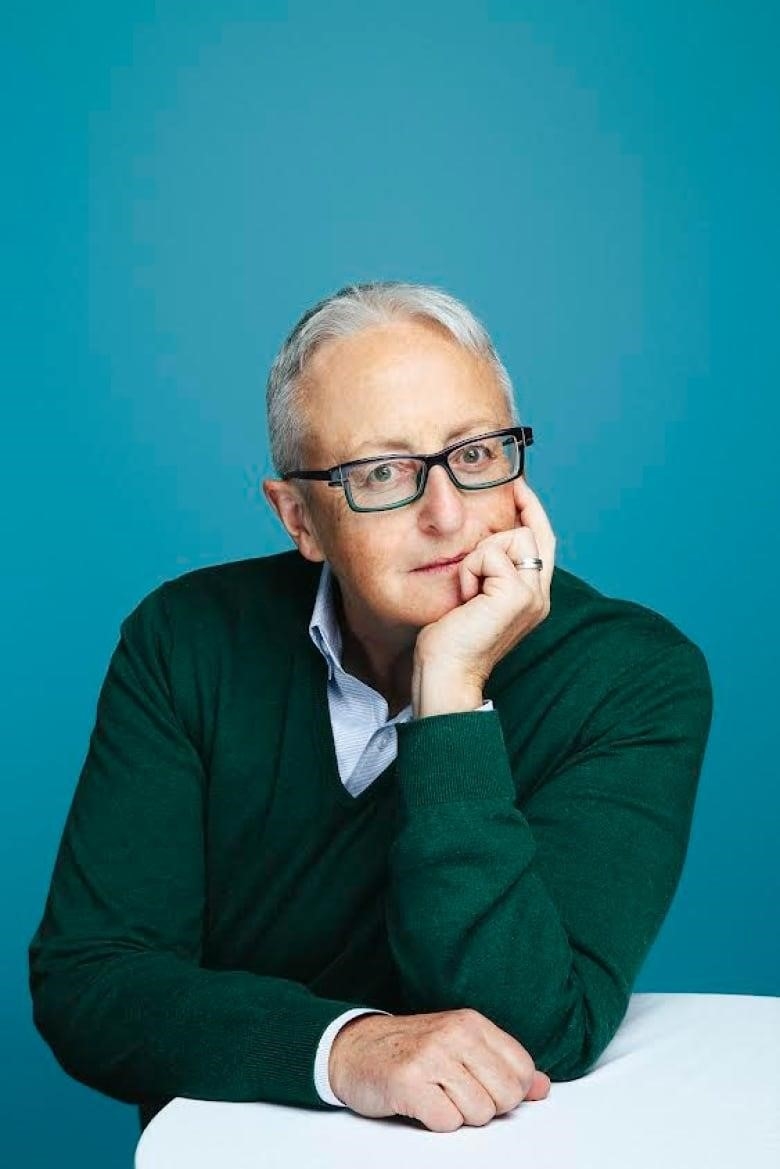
338 476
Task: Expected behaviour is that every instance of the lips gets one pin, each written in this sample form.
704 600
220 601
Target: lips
441 563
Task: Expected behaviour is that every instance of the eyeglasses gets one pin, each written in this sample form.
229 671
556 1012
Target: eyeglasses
381 484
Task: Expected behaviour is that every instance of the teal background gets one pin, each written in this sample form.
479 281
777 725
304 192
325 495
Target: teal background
598 181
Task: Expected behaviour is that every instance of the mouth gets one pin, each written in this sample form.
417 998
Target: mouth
442 565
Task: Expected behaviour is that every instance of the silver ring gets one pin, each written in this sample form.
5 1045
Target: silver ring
529 562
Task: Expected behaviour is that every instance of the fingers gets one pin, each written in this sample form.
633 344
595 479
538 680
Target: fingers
484 1091
499 1065
472 1095
532 536
462 1100
509 1060
533 527
499 1079
497 556
434 1108
443 1069
540 1088
532 515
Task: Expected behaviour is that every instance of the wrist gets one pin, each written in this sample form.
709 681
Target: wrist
335 1057
338 1059
436 689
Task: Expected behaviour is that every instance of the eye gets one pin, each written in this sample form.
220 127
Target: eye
475 449
389 474
377 474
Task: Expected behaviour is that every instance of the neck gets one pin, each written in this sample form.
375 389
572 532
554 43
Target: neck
387 669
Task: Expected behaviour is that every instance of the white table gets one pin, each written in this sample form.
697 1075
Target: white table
690 1081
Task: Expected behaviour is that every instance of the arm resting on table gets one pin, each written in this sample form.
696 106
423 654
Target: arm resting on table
118 989
540 918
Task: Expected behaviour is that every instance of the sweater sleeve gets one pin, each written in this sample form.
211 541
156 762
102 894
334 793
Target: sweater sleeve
540 917
118 989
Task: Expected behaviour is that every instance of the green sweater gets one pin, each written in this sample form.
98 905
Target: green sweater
218 897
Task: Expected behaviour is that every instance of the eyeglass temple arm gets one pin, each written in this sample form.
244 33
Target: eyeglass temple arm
310 475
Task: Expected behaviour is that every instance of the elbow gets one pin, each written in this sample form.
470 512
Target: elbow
582 1037
73 1030
57 1018
49 1004
65 1012
573 1067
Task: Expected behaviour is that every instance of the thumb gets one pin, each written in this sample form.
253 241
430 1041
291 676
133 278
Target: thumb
540 1086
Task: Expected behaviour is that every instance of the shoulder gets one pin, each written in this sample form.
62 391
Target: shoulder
624 628
271 595
625 631
593 639
638 677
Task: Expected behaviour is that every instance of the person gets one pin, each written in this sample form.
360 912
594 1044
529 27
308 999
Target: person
389 820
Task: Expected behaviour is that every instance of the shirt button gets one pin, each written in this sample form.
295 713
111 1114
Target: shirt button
383 739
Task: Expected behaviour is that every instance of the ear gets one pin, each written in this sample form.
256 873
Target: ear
293 510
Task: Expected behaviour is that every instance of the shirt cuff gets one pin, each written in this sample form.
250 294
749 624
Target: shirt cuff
486 705
321 1080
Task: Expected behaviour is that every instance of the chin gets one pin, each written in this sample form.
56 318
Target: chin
434 597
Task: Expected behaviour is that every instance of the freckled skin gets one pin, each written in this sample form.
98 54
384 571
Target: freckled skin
406 378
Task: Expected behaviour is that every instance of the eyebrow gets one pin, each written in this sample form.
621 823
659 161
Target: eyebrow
483 425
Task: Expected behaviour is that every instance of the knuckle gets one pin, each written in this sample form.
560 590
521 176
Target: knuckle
444 1121
526 1072
409 1072
423 1064
449 1033
451 1019
509 1099
482 1114
439 1114
465 1016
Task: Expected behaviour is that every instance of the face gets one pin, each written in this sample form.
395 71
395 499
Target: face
406 381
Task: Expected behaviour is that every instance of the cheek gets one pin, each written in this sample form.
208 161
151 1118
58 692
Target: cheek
502 515
372 563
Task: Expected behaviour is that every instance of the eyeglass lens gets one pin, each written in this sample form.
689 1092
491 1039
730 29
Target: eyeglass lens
392 481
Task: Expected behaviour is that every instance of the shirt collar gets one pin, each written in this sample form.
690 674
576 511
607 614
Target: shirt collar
325 632
324 627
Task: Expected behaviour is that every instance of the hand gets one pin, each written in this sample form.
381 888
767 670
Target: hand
466 643
445 1069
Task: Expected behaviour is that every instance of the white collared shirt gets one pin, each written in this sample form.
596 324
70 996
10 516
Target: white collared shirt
366 743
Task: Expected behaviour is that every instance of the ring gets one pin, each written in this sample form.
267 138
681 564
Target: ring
529 562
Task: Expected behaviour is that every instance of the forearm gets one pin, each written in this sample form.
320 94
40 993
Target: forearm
120 992
539 911
487 935
463 895
139 1025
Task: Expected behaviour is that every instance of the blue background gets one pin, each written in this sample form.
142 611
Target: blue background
598 181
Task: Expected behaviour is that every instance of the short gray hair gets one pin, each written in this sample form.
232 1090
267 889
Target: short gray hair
350 310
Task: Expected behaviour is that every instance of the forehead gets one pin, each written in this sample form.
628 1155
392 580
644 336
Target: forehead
407 385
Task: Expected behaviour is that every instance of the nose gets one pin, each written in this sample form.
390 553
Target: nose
441 505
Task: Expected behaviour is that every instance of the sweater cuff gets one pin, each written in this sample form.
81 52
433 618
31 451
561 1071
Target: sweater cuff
321 1078
448 757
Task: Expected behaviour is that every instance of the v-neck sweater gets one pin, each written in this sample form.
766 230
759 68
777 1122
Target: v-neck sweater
219 898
